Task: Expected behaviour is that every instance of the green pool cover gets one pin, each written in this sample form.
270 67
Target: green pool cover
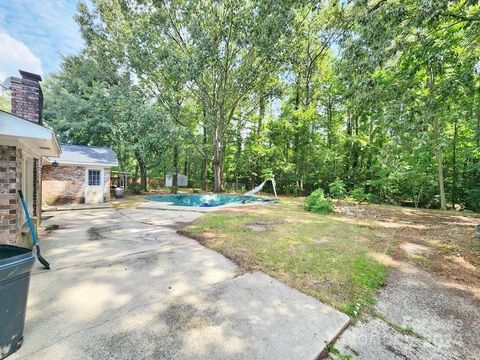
206 200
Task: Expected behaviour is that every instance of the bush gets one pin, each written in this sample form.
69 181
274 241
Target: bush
317 202
472 200
135 189
359 194
337 189
293 190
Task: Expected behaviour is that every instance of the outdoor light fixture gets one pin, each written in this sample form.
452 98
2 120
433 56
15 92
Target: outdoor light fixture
55 163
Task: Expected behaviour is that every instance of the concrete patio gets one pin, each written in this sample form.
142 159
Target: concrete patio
124 285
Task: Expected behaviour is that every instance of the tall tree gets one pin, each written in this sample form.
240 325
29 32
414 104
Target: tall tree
218 53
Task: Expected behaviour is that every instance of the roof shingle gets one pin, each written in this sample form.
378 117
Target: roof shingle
81 154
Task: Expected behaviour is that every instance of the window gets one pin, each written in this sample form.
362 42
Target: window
94 177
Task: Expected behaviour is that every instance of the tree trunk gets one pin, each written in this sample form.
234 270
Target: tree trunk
217 159
164 171
185 166
454 163
175 170
443 203
261 116
121 159
329 122
143 176
238 156
435 137
478 128
204 158
296 140
143 171
135 173
476 109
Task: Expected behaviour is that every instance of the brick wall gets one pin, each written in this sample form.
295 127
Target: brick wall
27 103
66 184
37 187
10 181
27 97
63 184
35 190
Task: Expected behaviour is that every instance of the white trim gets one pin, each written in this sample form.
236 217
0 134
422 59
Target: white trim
40 139
60 163
25 147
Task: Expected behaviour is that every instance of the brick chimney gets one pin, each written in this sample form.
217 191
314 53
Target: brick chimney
27 97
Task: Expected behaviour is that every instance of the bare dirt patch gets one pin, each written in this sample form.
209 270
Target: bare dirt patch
414 249
262 226
441 243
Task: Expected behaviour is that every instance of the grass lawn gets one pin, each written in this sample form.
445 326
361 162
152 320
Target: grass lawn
342 259
323 256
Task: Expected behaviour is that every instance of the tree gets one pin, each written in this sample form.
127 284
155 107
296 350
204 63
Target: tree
217 53
87 104
380 96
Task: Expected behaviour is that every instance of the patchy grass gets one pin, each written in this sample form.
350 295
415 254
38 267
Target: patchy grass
129 201
320 255
342 259
404 330
443 242
337 354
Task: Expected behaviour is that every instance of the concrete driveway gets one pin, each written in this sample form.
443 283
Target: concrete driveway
124 285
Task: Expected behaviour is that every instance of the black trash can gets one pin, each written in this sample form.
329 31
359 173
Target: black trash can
15 266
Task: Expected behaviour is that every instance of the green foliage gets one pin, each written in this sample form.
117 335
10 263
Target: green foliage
472 199
381 95
359 194
294 190
337 189
317 202
5 104
337 354
135 189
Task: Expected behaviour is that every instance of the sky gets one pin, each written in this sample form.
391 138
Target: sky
35 33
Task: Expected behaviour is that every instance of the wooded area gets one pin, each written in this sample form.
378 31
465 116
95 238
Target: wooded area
376 98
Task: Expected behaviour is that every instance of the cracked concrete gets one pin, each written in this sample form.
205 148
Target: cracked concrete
124 285
445 317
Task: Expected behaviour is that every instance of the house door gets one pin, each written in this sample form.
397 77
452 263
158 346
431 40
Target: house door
94 186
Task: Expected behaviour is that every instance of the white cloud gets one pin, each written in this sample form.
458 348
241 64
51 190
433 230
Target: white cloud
47 27
15 55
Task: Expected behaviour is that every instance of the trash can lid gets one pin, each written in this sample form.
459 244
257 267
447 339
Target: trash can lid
14 261
7 251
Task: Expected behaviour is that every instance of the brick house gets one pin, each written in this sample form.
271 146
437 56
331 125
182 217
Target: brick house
80 175
24 141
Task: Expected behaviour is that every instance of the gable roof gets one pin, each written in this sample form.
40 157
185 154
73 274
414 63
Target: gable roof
85 155
39 139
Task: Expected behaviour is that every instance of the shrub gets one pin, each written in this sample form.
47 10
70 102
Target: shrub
135 189
317 202
472 199
337 189
359 194
294 190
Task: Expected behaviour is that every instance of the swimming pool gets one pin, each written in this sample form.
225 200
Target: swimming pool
206 200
